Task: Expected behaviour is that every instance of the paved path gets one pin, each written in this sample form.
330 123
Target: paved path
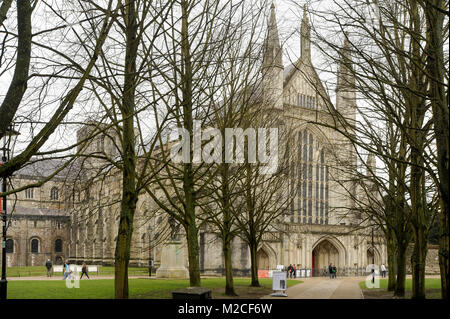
325 288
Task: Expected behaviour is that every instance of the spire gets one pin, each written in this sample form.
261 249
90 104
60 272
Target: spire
371 165
346 80
272 67
305 41
272 48
345 88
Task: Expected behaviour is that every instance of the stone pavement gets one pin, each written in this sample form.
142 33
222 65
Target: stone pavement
325 288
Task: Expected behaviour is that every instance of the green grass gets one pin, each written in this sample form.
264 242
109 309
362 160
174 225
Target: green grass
432 287
30 271
430 283
104 288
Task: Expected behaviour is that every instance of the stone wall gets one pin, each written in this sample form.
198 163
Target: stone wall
432 261
46 229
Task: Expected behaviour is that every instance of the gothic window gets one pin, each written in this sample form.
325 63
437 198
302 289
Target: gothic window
58 246
312 190
54 193
317 219
10 246
35 246
299 189
29 193
326 194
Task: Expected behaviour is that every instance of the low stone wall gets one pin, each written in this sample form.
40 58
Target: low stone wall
432 262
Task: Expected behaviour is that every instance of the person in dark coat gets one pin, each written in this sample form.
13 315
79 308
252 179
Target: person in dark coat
84 271
48 265
330 270
334 271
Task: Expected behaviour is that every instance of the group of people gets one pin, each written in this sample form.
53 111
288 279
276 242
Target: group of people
66 269
291 271
332 270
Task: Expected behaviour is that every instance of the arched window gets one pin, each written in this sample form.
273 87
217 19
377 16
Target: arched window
29 193
35 245
10 246
54 193
58 246
312 195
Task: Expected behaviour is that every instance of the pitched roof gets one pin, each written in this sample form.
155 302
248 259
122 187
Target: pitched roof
46 167
39 211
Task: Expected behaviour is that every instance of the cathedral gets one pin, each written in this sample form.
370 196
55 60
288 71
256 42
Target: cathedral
320 227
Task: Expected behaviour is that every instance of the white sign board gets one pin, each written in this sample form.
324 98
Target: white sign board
302 273
280 267
308 273
279 280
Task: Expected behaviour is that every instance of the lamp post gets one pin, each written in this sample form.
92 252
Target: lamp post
5 157
150 261
373 259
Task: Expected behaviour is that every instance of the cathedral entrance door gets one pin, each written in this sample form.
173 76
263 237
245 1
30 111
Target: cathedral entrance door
263 260
324 253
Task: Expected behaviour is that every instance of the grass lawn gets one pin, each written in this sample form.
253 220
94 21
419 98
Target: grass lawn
30 271
139 288
432 286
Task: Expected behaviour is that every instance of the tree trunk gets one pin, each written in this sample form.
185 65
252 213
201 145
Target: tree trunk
392 262
418 260
193 255
229 286
122 254
254 264
444 254
129 194
401 271
188 172
439 104
18 85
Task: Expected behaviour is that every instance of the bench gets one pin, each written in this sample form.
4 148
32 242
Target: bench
58 269
92 269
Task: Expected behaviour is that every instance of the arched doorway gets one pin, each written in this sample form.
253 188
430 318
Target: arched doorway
263 259
373 257
324 253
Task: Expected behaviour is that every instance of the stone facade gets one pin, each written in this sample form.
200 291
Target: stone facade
39 220
319 226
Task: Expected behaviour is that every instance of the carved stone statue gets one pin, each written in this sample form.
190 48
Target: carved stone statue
174 228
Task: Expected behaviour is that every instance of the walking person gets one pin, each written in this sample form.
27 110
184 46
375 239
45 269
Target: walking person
84 271
334 271
66 270
330 271
48 265
383 270
290 271
294 271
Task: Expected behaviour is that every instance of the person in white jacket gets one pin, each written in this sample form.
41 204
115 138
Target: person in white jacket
383 270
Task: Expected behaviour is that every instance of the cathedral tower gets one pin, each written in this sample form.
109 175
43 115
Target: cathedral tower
272 67
371 165
305 41
345 89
